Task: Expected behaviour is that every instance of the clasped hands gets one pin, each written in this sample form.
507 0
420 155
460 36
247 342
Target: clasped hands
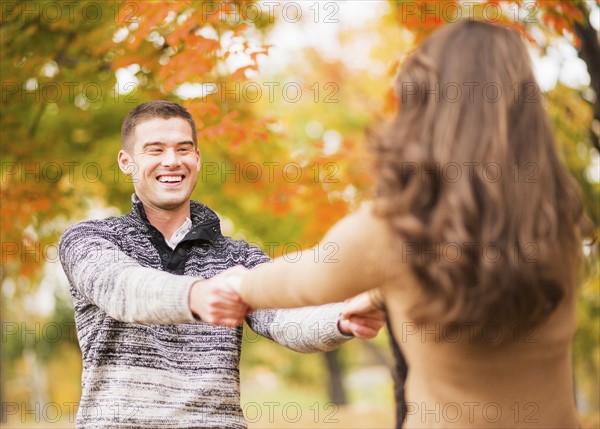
218 301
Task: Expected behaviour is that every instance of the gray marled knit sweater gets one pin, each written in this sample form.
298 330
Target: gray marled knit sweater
146 361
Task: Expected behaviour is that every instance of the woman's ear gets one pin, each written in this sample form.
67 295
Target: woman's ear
124 161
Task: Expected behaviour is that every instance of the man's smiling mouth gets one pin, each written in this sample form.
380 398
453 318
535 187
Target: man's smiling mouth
170 178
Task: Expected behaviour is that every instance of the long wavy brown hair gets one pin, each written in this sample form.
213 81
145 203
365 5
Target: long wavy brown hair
469 177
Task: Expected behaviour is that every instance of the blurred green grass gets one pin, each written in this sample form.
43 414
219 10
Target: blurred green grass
270 404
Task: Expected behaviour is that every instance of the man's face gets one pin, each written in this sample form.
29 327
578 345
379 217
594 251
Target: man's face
163 163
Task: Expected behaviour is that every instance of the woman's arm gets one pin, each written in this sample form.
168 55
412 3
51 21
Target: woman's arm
354 256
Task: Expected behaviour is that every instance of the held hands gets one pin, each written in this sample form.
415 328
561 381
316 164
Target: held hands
217 301
363 316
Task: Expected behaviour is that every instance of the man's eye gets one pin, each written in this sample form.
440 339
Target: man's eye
184 149
155 150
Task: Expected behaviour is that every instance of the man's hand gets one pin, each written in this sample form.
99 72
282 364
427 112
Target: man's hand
215 301
363 316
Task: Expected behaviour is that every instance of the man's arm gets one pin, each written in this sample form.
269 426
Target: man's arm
305 330
104 276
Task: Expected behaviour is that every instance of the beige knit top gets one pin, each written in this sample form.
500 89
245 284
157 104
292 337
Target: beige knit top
454 380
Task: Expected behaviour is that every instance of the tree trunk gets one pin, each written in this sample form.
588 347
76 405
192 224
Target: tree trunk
337 393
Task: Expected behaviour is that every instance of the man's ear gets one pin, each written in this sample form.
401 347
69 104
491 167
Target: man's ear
199 162
125 161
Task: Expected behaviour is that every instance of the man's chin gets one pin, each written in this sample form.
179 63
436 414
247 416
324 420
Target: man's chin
163 200
171 203
172 206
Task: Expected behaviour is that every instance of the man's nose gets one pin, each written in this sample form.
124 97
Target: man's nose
170 158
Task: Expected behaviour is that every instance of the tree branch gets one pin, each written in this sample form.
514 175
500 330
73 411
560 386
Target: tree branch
590 53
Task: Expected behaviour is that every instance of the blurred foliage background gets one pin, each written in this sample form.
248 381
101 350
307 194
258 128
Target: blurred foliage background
282 93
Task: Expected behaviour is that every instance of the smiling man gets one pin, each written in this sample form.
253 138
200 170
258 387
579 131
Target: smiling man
162 155
151 357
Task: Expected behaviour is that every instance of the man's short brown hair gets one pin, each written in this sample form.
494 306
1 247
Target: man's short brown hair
150 110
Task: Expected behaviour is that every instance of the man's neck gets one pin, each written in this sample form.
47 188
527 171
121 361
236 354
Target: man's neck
167 221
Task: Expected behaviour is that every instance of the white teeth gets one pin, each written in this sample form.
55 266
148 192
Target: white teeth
170 179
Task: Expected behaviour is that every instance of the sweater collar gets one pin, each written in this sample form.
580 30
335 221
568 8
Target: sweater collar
205 222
